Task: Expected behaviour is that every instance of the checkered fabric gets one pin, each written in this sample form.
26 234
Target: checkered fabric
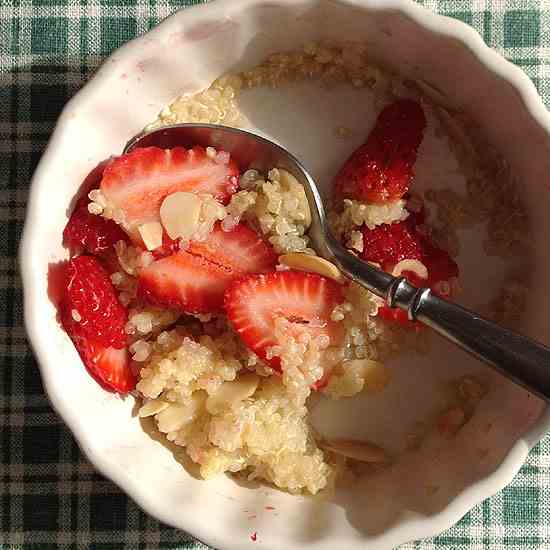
51 497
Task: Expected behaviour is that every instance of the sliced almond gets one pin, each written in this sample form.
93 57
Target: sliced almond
176 415
313 264
418 268
151 234
289 182
179 214
232 392
152 407
364 451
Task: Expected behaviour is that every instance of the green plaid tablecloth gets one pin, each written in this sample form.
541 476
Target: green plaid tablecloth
50 496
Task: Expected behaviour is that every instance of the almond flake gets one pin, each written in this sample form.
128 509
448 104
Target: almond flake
151 234
179 214
177 415
313 264
418 268
232 392
364 451
152 407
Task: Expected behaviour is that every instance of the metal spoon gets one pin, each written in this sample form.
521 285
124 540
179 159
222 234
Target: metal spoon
517 357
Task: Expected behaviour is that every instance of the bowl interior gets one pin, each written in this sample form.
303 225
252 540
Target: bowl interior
184 55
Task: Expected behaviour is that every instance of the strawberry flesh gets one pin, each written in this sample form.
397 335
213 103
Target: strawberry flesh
109 366
91 233
388 244
185 282
91 295
242 250
382 169
254 302
194 280
137 183
98 334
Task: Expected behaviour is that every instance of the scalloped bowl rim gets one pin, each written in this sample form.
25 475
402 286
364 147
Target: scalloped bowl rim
412 529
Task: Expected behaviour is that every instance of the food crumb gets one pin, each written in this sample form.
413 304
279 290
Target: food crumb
432 489
343 131
451 421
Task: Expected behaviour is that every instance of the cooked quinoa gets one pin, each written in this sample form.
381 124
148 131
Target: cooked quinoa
205 390
267 434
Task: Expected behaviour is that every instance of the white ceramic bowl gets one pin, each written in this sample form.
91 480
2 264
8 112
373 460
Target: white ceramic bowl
184 54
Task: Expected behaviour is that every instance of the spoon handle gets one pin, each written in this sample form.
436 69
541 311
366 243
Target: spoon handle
517 357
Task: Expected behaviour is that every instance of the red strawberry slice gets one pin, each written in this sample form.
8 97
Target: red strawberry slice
136 183
109 366
94 320
91 233
91 296
194 280
388 244
382 169
186 282
254 302
242 250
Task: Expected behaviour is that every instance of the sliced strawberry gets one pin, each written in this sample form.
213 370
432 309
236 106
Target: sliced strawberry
254 302
382 169
388 244
109 366
87 232
242 250
91 233
186 282
136 183
441 267
194 280
169 247
91 297
95 320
